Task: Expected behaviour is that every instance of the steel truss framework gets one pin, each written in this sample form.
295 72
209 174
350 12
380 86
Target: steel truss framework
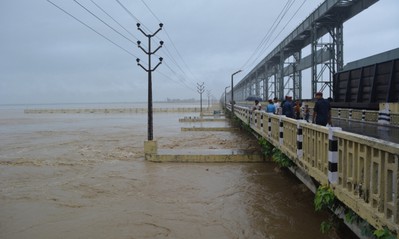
280 72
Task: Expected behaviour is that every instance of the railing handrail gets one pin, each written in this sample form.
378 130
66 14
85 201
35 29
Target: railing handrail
366 167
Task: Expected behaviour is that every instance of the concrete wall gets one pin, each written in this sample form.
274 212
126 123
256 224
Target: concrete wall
362 171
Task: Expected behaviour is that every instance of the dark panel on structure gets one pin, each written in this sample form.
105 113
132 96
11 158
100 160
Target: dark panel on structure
367 86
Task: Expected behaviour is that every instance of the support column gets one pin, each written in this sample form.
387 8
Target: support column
280 78
339 35
313 36
297 76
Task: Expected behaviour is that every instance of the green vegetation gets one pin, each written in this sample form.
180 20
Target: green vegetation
324 198
351 216
383 233
267 147
326 226
281 159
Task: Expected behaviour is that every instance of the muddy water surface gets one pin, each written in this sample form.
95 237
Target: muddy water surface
83 176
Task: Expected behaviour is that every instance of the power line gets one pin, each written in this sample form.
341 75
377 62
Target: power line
278 34
269 33
267 44
181 80
69 14
149 9
173 45
132 15
131 34
94 15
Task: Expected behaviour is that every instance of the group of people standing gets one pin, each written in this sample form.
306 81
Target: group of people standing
321 111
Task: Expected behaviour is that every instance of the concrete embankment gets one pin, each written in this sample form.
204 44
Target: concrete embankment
109 111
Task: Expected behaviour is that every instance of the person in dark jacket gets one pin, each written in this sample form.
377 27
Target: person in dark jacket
288 107
322 110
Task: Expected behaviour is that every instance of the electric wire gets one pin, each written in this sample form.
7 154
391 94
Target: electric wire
264 38
131 34
174 47
132 15
94 15
288 21
263 44
173 60
266 45
86 25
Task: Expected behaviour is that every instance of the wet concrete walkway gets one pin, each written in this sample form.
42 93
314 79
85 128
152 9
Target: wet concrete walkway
387 133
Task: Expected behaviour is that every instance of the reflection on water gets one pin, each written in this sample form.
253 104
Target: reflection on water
83 176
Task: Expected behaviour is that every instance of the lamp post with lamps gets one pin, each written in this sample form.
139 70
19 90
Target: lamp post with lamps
232 91
225 96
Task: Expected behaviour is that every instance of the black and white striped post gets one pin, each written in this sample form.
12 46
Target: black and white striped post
339 113
332 155
350 114
269 126
299 140
363 115
384 115
261 121
281 129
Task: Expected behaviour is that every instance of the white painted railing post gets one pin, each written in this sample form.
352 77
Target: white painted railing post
332 155
269 126
281 130
299 139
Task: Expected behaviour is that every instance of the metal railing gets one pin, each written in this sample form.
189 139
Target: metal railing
363 171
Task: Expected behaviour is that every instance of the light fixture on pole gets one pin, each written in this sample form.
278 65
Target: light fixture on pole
225 97
232 91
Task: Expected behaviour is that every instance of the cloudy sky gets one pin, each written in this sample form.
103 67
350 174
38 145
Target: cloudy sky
46 56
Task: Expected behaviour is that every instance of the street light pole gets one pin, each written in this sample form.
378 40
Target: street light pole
232 91
149 70
225 96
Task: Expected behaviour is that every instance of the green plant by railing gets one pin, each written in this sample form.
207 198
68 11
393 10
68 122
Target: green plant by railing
351 216
324 198
383 233
281 159
267 147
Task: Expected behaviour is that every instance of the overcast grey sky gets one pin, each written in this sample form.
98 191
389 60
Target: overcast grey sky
48 57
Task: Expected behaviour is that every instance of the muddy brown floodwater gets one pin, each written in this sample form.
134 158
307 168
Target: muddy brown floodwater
84 176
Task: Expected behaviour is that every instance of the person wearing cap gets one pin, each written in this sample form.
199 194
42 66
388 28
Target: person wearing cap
321 111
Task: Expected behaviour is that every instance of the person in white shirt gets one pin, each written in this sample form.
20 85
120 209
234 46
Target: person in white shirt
277 105
257 105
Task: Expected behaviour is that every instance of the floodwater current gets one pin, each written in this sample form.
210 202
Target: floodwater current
84 176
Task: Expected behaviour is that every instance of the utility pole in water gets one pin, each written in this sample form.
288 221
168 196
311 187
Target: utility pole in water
200 90
149 70
209 98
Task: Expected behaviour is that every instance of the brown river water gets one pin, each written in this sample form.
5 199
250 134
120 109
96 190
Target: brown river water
84 176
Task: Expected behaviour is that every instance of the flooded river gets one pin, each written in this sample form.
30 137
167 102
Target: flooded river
84 176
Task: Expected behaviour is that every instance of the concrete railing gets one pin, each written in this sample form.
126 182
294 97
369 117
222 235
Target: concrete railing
369 116
362 171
